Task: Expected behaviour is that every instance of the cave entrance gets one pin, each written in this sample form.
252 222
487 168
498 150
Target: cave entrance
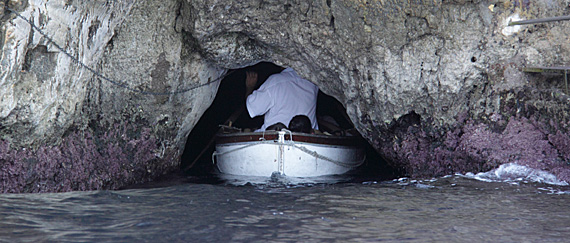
229 105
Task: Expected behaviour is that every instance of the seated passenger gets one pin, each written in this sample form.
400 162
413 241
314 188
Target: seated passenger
281 97
300 123
276 127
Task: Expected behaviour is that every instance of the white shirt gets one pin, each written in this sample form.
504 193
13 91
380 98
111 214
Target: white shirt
283 96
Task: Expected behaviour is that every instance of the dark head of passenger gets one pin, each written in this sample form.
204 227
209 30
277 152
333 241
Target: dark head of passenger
276 127
300 123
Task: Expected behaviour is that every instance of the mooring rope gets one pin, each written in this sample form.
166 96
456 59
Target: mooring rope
352 164
216 153
98 74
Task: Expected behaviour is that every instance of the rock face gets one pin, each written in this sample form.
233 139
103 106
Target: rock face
65 128
435 86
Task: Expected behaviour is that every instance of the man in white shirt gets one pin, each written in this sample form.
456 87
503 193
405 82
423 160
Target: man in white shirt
281 97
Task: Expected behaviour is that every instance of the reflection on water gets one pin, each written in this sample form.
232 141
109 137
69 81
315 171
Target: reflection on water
278 180
453 208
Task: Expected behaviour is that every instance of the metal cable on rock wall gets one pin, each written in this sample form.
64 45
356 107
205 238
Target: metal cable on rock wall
103 77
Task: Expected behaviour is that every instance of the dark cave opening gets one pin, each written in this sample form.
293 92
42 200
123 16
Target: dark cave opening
229 104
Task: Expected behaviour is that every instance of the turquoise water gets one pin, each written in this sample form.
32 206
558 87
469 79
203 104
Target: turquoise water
450 209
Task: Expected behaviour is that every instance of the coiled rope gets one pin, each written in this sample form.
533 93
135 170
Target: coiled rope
103 77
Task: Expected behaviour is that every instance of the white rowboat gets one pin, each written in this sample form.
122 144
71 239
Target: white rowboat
287 153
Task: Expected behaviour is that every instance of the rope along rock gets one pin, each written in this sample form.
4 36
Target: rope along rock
101 76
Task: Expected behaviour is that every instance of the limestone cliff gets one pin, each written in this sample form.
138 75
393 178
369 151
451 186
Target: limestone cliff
67 128
435 86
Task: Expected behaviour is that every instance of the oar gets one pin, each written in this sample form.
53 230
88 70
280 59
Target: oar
230 120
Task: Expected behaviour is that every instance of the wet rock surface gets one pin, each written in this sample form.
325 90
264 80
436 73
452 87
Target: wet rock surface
435 86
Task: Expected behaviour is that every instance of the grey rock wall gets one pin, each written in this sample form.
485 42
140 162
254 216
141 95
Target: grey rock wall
64 127
435 86
40 88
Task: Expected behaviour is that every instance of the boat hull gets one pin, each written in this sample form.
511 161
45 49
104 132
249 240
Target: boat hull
259 154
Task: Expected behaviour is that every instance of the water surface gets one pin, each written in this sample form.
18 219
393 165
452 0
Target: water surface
453 208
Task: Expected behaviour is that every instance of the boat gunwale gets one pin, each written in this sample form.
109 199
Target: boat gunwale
352 141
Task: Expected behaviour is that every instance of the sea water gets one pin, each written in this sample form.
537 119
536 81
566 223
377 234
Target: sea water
486 207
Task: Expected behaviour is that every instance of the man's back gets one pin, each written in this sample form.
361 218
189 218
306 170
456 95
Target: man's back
283 96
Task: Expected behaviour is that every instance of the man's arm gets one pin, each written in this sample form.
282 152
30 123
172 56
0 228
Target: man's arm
250 82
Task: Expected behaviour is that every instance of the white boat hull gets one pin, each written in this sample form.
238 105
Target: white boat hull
287 157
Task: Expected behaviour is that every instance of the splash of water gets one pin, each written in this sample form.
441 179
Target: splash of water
512 172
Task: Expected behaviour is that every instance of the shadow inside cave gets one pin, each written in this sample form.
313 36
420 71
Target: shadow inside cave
230 101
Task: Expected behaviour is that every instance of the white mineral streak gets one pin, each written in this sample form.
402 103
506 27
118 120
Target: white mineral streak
509 30
49 101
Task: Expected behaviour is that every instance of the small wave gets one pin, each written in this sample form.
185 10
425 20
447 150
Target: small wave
550 190
512 172
422 184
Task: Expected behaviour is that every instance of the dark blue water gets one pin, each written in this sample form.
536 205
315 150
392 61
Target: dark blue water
450 209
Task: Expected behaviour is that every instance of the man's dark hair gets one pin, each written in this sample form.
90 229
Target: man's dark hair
276 127
300 123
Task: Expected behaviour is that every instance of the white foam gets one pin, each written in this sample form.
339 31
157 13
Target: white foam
512 172
550 190
423 186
